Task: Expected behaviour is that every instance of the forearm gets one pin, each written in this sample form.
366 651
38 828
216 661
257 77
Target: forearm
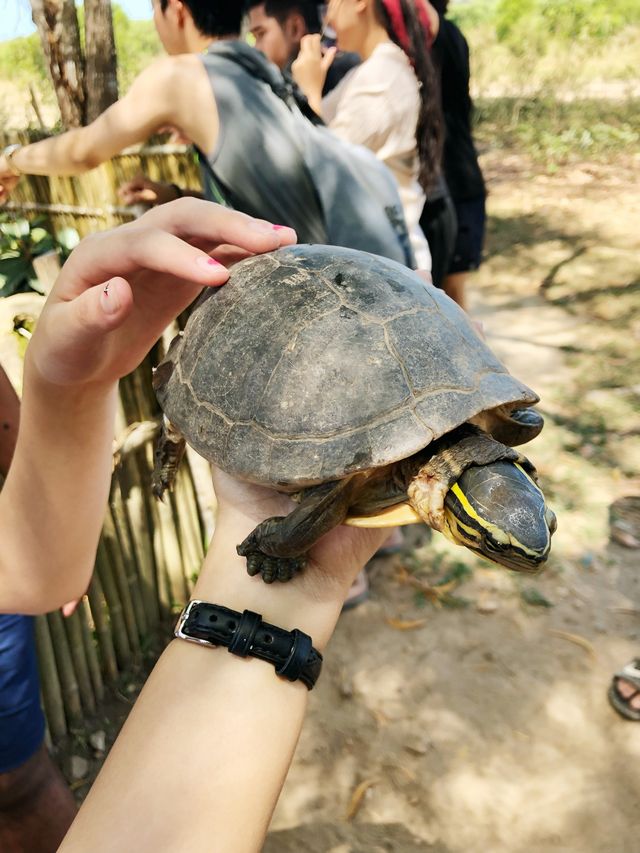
315 101
212 734
53 503
66 154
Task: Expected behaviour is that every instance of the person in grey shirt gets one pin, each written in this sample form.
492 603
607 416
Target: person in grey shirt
271 156
328 190
260 153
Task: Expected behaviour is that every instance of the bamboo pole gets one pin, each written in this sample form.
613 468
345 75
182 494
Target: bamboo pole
117 558
143 390
49 680
127 546
103 633
121 418
112 597
87 626
178 592
36 106
182 583
132 411
73 628
163 585
134 480
66 671
187 526
142 521
201 525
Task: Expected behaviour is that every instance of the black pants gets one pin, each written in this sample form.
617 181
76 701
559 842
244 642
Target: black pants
439 224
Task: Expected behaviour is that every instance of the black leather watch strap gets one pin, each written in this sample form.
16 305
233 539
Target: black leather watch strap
245 634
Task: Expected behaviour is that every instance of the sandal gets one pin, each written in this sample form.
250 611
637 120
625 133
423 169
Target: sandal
622 704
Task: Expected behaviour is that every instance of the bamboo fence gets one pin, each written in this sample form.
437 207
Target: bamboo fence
89 202
148 557
149 552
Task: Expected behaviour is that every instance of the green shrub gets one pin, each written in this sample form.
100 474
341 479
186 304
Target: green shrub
557 132
21 241
566 20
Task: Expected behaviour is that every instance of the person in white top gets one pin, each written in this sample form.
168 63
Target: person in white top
390 102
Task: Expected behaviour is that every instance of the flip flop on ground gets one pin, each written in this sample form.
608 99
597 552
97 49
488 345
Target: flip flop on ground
624 692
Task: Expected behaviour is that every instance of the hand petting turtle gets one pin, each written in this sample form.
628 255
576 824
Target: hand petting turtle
84 341
149 271
341 379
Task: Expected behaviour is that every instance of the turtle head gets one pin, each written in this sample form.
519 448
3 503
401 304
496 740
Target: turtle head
498 511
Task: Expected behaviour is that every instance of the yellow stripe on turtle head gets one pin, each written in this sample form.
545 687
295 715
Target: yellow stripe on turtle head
459 533
496 532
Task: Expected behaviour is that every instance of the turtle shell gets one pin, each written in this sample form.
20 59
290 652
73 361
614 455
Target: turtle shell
314 362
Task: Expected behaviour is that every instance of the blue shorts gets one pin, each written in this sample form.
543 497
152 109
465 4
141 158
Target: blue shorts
21 718
467 252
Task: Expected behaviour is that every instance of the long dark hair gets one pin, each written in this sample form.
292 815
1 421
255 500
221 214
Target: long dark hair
414 42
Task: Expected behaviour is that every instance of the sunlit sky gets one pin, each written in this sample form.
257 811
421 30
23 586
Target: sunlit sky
15 16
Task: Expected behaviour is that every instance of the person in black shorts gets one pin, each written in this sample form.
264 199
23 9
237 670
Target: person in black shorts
460 159
440 226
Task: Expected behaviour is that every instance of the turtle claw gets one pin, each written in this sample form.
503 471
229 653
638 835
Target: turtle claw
253 564
281 569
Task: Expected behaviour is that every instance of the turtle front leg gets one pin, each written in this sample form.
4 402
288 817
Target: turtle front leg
278 546
517 426
464 447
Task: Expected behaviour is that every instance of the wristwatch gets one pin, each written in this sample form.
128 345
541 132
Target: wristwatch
245 634
9 153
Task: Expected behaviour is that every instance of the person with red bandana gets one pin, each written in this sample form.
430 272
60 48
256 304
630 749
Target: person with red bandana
391 102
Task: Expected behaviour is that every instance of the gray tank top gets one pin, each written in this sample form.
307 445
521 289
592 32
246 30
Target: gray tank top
272 162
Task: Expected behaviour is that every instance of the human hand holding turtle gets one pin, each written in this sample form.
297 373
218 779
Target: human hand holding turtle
313 603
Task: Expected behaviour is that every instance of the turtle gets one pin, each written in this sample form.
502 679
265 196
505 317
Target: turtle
343 379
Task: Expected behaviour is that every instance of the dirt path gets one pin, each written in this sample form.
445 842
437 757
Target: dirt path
485 728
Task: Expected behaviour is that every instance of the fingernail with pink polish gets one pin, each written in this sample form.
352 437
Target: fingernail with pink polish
208 263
